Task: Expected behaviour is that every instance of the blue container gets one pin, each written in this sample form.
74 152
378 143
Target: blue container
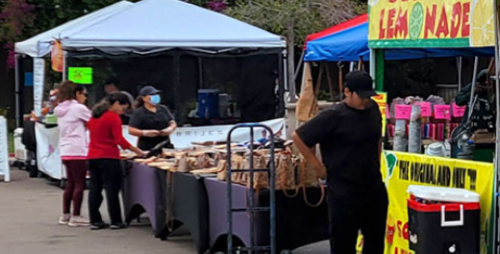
208 103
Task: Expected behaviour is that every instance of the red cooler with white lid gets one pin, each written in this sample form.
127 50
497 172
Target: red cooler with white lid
443 220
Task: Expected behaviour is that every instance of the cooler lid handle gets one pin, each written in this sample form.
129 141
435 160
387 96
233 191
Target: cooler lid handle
455 223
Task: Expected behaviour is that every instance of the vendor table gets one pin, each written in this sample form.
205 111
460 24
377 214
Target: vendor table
187 198
146 190
200 205
297 224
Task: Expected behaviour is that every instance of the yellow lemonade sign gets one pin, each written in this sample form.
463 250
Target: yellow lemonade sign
431 23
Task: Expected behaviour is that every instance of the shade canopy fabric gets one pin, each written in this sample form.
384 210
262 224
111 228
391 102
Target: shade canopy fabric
348 41
152 25
41 44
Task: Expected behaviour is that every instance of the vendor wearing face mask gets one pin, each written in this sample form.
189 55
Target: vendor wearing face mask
151 122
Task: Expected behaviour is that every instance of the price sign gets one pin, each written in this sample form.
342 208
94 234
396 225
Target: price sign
458 111
442 112
426 110
403 112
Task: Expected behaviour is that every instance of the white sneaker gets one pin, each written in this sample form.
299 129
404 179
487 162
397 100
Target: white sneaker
64 219
78 221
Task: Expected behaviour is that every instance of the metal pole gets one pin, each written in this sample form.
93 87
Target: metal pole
373 60
272 202
497 102
459 67
229 197
301 60
285 64
18 86
474 77
281 85
252 193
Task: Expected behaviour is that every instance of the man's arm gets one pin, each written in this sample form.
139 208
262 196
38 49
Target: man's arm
310 156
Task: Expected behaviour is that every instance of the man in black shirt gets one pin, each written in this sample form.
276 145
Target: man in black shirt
112 85
349 135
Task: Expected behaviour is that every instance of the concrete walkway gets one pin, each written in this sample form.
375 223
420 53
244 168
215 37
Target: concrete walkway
28 224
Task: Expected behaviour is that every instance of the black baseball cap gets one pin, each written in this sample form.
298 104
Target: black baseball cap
148 90
113 81
361 83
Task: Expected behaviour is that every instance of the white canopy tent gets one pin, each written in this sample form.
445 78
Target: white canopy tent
153 25
41 44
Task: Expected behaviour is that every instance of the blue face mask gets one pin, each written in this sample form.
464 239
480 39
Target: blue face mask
155 99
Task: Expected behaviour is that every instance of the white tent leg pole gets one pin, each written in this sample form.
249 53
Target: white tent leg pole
285 55
373 60
351 66
18 88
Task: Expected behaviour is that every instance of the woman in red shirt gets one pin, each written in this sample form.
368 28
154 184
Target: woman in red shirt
105 165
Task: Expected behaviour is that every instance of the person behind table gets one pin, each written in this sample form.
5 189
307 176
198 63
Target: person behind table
112 85
104 158
152 122
349 135
72 116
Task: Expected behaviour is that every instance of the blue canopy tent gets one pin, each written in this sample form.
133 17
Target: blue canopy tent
348 41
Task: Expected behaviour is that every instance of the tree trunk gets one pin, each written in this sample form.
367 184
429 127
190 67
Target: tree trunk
291 62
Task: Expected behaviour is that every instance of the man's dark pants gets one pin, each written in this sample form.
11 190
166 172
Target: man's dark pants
349 214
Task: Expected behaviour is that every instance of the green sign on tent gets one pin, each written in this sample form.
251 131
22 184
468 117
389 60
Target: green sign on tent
80 75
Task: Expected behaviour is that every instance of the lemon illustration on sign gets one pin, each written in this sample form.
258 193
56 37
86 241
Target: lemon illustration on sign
482 26
416 20
372 3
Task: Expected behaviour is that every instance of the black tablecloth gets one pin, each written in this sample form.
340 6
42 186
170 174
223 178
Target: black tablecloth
189 202
156 192
200 205
144 190
297 224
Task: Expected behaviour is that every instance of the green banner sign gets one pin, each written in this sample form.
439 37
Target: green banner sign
80 75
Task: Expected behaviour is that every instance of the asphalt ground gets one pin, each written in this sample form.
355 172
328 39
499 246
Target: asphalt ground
29 212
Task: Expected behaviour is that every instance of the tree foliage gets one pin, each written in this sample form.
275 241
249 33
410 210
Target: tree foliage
296 18
22 19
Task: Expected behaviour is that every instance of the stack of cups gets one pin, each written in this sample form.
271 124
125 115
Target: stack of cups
400 136
415 130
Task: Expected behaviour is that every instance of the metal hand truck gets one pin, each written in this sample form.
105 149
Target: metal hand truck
252 209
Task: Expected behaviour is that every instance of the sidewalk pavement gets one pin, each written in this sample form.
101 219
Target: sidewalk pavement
28 218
